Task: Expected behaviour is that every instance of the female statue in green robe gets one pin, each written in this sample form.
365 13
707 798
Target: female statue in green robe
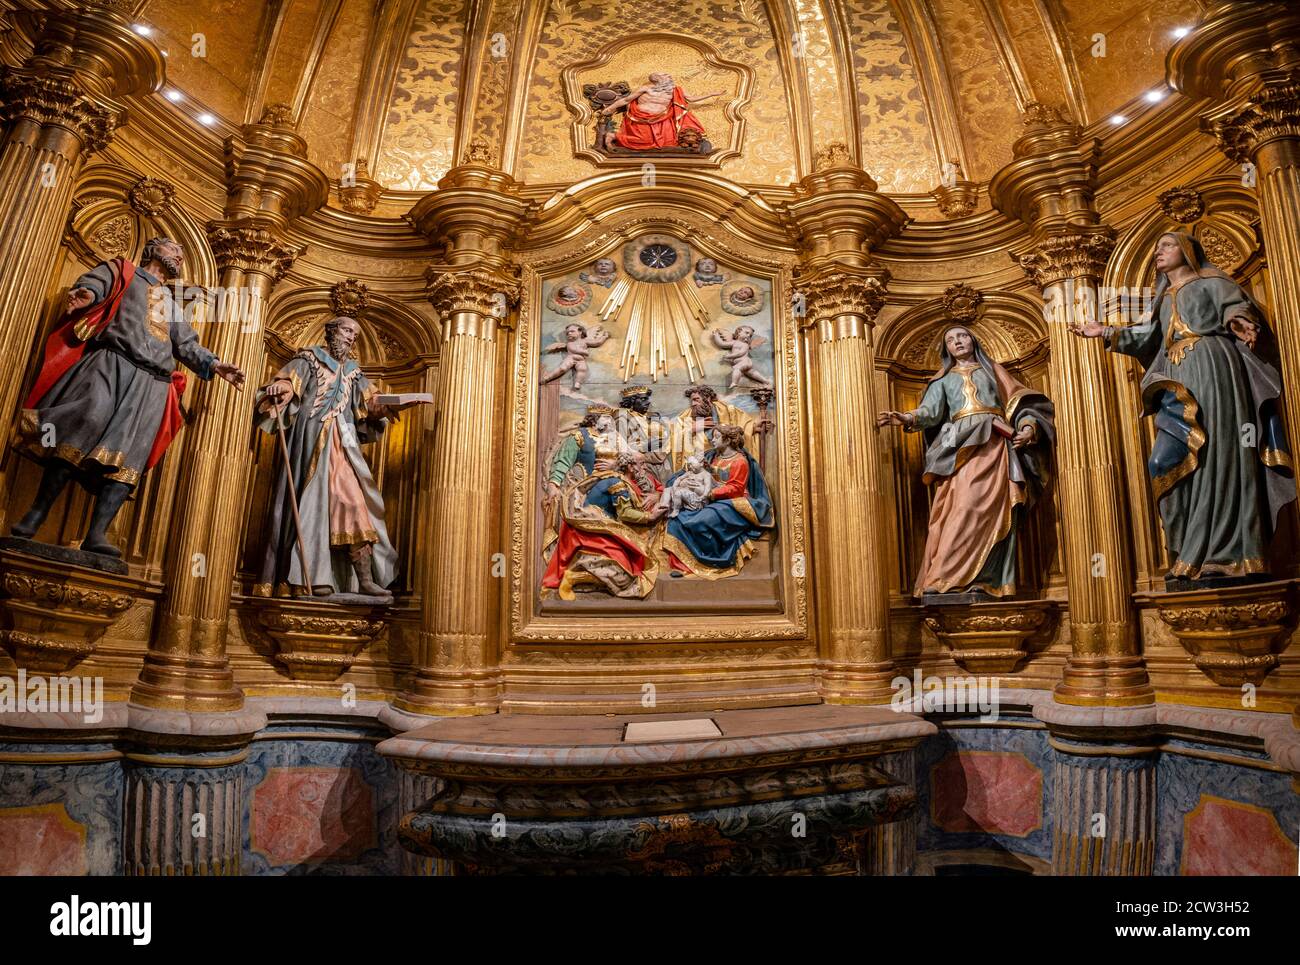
1220 466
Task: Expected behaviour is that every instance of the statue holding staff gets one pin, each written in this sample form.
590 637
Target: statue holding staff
326 505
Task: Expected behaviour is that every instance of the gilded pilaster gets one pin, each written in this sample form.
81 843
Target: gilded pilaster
59 107
1049 186
476 212
270 184
1246 58
840 217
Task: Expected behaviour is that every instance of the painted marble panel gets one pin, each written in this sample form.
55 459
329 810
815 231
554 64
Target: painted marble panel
320 807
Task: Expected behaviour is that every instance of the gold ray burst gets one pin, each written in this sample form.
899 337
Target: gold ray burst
652 311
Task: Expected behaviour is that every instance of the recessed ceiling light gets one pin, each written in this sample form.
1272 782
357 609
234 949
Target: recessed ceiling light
1118 118
1155 96
1182 32
207 119
174 96
142 29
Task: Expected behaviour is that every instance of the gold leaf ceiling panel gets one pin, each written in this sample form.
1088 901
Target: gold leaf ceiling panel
419 139
576 30
328 114
1137 37
897 146
230 31
913 82
984 89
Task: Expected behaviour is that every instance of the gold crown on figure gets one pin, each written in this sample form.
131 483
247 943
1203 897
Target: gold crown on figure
635 390
600 408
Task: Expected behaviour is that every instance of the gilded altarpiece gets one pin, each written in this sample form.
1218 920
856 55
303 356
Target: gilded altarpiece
655 307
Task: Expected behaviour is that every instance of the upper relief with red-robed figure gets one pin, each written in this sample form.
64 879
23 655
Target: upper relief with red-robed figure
657 117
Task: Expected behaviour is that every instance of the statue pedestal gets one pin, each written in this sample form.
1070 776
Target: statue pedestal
55 608
319 639
773 791
987 638
1231 632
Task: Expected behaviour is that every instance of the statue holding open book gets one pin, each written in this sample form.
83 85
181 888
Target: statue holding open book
327 533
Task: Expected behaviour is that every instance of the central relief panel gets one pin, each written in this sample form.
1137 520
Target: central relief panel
657 480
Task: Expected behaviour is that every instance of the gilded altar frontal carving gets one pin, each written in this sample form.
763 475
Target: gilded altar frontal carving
484 437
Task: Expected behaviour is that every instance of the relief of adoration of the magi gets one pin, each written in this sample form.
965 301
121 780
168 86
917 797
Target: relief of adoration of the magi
655 430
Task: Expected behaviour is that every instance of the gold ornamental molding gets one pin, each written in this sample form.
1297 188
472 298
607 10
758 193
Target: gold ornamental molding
269 181
251 248
1075 251
54 615
319 642
1231 633
989 638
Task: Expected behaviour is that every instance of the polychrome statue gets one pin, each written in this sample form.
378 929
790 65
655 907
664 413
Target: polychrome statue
325 506
1220 468
106 403
988 448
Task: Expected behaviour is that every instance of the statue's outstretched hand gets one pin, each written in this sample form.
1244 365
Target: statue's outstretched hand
231 372
892 418
1093 329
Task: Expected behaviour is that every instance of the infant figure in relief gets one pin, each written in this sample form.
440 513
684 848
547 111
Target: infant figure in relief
690 490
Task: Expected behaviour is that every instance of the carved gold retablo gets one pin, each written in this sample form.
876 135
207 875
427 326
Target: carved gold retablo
988 638
1232 633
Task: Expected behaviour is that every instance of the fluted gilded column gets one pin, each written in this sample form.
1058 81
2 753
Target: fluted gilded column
1246 57
270 184
840 217
476 212
1049 186
59 107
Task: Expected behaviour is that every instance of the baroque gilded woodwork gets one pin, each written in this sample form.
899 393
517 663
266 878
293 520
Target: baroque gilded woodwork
836 160
55 615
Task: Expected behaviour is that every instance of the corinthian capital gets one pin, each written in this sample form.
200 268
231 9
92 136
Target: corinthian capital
839 292
53 100
473 290
1075 251
1270 111
251 248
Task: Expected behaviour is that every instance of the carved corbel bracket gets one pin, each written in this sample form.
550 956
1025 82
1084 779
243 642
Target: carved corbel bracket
317 641
54 615
1232 633
989 638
